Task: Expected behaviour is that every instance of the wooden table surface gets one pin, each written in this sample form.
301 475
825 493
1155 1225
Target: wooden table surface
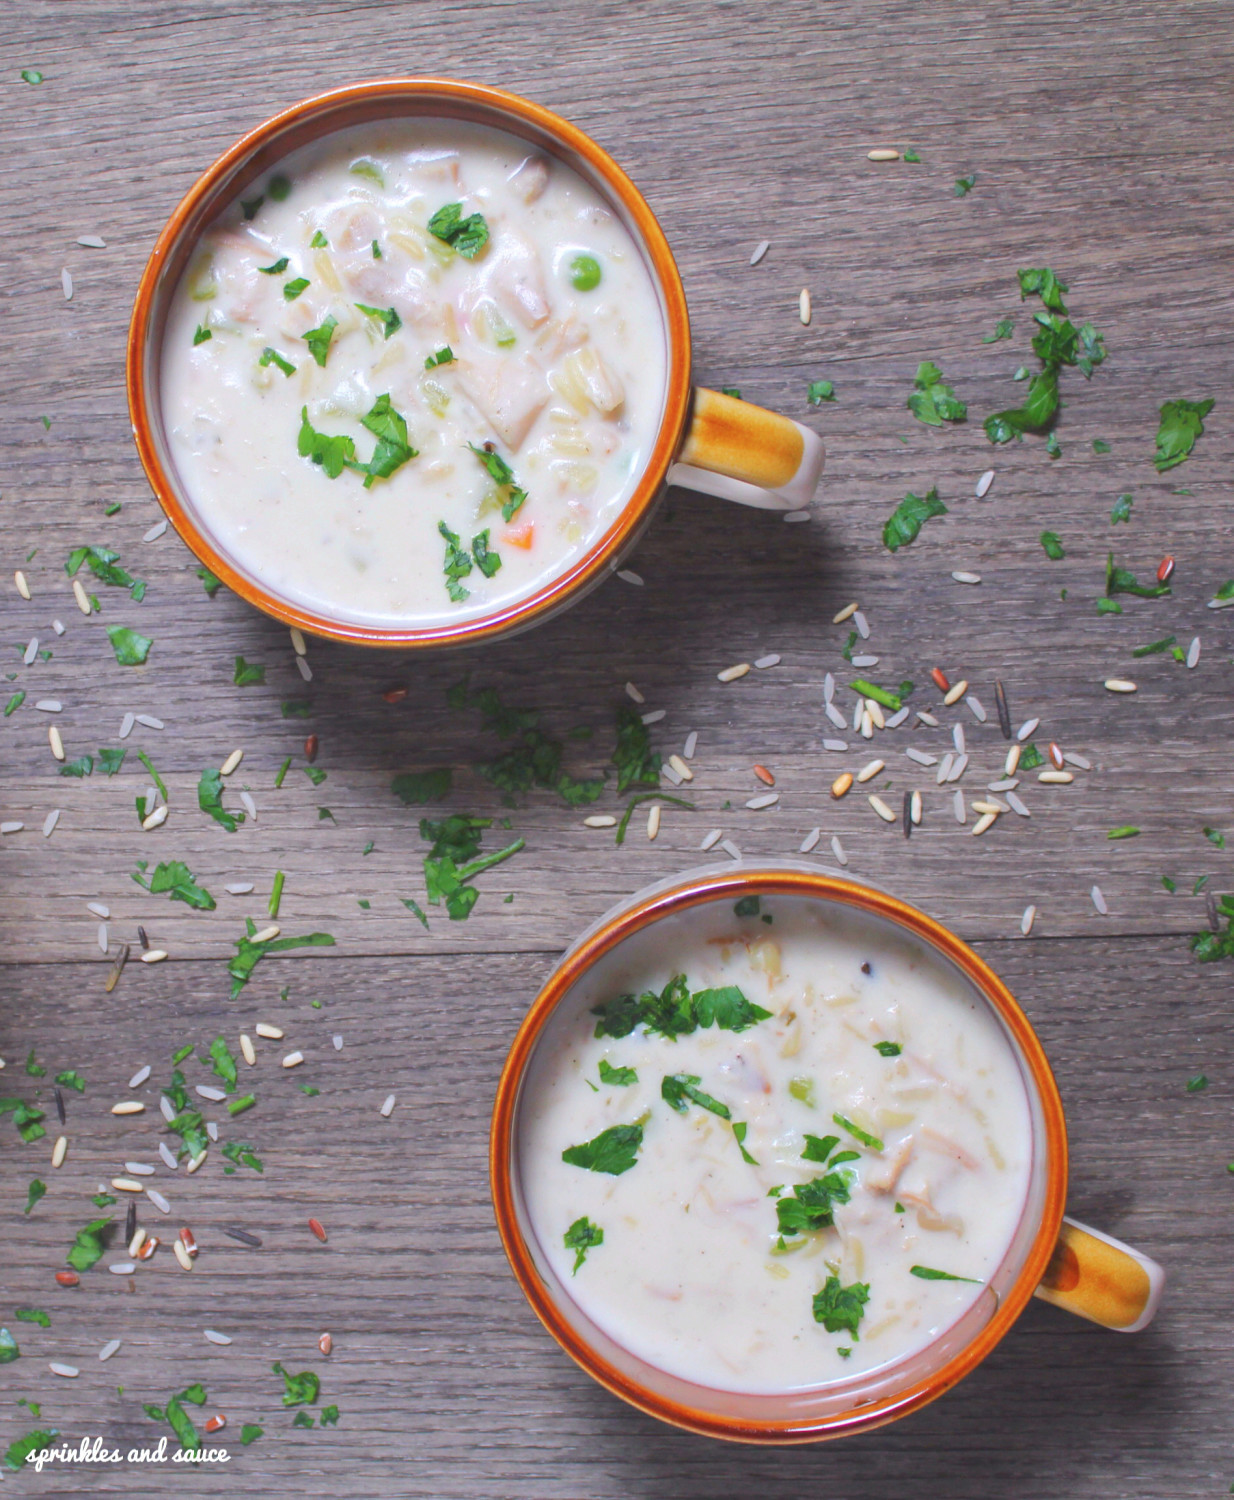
1099 136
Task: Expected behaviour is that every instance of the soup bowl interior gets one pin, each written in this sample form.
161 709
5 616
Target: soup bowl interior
838 1407
383 101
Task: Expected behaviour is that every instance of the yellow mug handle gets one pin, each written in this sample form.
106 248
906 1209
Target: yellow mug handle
743 452
1099 1278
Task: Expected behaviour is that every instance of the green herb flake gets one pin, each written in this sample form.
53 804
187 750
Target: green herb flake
1182 422
810 1206
964 185
416 910
928 1273
618 1077
276 269
365 167
270 356
613 1151
249 954
1121 509
315 774
1120 581
500 472
82 766
1197 1084
130 648
387 316
839 1307
249 1433
89 1245
933 402
14 703
1215 837
443 356
23 1448
468 236
329 1417
297 708
318 339
674 1011
210 800
319 241
415 788
911 154
905 522
281 774
201 335
31 75
819 391
888 1049
676 1088
748 906
34 1192
1052 546
582 1236
866 1139
1003 329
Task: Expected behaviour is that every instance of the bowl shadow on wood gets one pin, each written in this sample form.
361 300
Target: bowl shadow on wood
1054 1402
723 584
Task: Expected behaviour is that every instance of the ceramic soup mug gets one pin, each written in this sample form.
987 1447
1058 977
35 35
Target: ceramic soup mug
704 439
683 1275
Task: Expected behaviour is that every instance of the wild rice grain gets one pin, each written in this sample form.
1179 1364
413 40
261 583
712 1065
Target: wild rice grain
712 839
213 1336
958 808
760 250
1099 901
1004 713
628 575
158 1200
232 761
810 841
907 814
837 848
1027 729
242 1236
955 692
600 820
1193 653
50 821
109 1348
881 808
1027 920
764 799
804 311
653 820
387 1108
731 674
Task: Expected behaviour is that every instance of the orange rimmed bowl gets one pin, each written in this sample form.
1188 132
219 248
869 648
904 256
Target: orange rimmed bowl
1078 1268
705 439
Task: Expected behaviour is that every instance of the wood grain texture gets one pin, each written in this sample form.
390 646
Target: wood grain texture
1096 132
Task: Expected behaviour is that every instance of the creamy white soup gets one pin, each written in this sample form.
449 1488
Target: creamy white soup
773 1147
413 374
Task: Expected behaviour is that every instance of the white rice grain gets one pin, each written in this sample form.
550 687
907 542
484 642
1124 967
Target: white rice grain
628 575
984 483
213 1336
898 718
804 309
249 805
66 286
1027 729
865 661
760 250
168 1155
31 651
92 241
58 626
960 576
305 670
207 1091
49 705
166 1108
671 774
1027 920
958 769
690 746
862 625
1017 806
796 516
764 799
1081 762
836 717
730 848
837 746
975 707
1193 653
958 808
297 642
158 1200
150 721
140 1076
711 839
922 757
810 841
155 532
655 715
50 821
239 888
957 738
633 693
337 1040
653 820
837 848
829 687
11 827
387 1108
126 725
111 1347
102 937
1099 901
944 769
927 718
772 659
731 674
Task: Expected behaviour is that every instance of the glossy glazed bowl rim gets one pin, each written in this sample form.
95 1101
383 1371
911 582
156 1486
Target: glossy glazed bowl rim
143 384
769 878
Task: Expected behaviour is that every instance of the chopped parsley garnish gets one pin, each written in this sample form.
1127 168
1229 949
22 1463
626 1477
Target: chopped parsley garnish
487 560
613 1151
271 356
416 910
864 1136
292 289
387 316
748 906
676 1088
905 522
635 761
319 241
1127 831
248 673
364 167
1120 581
1100 445
26 1118
837 1307
297 708
276 269
201 335
318 340
444 356
224 1061
811 1205
454 858
468 236
23 1448
34 1069
244 1155
250 206
619 1077
375 248
888 1049
329 1417
911 154
250 1432
730 390
1053 547
582 1236
819 1147
15 702
676 1012
102 563
1121 509
457 564
1215 837
89 1245
1197 1084
31 75
740 1130
415 788
1043 284
1003 329
315 774
177 879
210 800
337 453
249 954
1208 947
928 1273
933 402
298 1390
535 761
502 475
130 648
1181 423
1155 647
34 1192
279 187
819 391
33 1315
82 766
964 185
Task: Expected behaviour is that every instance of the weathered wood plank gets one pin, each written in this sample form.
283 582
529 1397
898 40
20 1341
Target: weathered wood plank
446 1384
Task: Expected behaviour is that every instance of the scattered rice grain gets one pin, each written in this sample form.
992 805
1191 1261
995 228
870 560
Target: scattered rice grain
337 1039
1056 778
922 757
232 761
66 286
986 820
58 1150
600 820
690 746
168 1155
845 613
984 483
155 532
810 841
126 725
1081 762
671 774
267 934
23 588
760 250
898 717
865 661
927 718
804 310
1099 901
836 717
653 820
1193 653
730 848
862 625
49 705
764 799
239 888
870 770
731 674
250 807
166 1108
655 715
772 659
138 1169
50 821
109 1348
628 575
712 839
975 707
882 153
56 743
304 669
955 692
914 807
836 746
11 827
1027 729
837 848
213 1336
158 1200
1027 920
293 1059
268 1032
944 769
962 577
633 692
881 808
957 738
387 1108
958 808
796 515
207 1091
247 1050
156 819
102 937
82 598
681 768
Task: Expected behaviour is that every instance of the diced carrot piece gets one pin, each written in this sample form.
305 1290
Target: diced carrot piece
520 536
